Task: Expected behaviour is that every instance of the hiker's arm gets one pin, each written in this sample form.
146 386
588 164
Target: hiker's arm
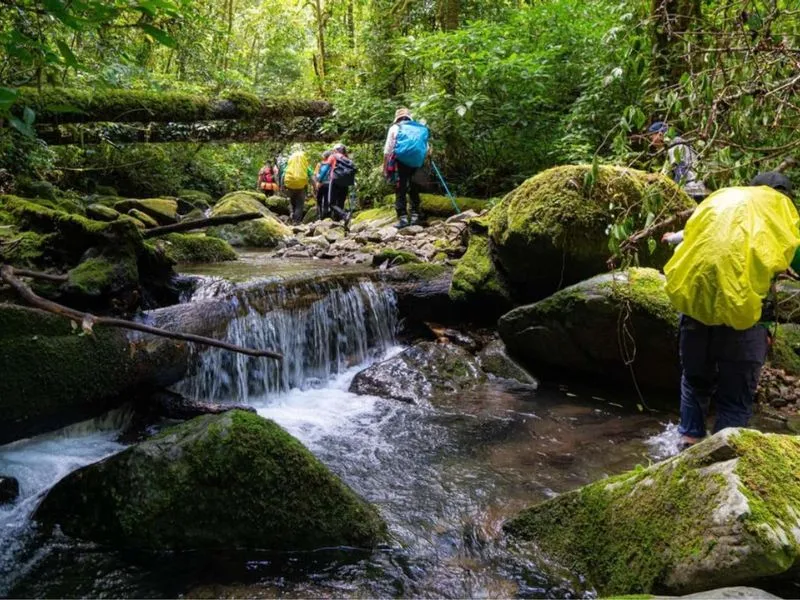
672 238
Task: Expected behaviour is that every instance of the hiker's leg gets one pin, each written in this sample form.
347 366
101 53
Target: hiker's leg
414 196
698 377
297 199
322 201
741 356
403 179
337 202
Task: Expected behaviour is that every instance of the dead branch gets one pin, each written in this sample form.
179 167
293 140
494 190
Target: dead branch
787 163
39 275
87 321
633 241
200 223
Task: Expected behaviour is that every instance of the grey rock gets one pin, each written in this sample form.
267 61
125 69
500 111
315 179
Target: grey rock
495 360
462 217
411 230
420 374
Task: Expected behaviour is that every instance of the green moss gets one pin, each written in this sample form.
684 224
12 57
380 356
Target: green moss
25 249
143 218
103 275
106 190
279 205
441 206
625 531
385 214
420 271
475 279
769 471
196 198
394 257
644 290
785 351
789 301
166 493
266 232
101 212
163 210
197 248
52 373
557 221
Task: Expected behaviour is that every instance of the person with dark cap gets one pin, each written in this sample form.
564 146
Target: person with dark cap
682 160
722 287
404 153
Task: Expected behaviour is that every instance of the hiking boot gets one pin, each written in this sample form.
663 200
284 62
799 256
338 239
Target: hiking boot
346 221
403 222
414 219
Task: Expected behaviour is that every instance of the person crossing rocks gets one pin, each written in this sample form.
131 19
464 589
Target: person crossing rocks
404 154
297 176
721 280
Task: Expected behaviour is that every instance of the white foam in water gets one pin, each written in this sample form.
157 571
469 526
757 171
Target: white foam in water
665 444
312 414
38 464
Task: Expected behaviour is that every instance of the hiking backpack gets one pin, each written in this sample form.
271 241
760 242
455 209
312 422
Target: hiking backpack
411 145
344 173
296 176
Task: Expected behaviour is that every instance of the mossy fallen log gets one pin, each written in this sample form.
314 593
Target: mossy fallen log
70 105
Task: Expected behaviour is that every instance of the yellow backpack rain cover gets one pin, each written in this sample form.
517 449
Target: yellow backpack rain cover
736 241
296 177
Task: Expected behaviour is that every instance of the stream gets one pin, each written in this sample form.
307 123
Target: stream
444 477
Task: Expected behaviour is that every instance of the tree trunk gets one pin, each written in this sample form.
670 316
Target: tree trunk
672 22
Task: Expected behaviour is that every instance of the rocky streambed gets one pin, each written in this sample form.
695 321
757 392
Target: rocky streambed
446 392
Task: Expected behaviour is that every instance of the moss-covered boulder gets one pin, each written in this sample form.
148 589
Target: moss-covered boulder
373 218
163 210
217 482
788 301
580 329
54 374
422 374
279 205
266 232
476 282
106 274
196 248
143 218
191 199
785 351
551 231
725 512
101 212
494 360
433 205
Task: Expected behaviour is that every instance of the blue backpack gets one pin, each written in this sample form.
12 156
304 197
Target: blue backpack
411 146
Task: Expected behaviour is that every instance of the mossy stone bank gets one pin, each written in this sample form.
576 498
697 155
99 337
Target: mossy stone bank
726 512
579 330
53 374
266 232
551 231
220 482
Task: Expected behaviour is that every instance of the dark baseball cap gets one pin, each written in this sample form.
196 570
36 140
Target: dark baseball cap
775 180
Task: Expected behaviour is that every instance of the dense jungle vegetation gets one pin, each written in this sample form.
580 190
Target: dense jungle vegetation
508 87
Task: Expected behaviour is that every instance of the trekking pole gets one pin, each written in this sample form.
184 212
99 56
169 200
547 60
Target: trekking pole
444 185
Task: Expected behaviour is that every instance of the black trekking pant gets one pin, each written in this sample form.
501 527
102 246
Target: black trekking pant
323 210
721 363
297 199
338 197
406 184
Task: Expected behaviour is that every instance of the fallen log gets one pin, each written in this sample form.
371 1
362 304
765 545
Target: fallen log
658 227
88 321
200 223
39 275
70 105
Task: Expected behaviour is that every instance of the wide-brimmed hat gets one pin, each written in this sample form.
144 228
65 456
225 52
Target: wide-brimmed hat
401 113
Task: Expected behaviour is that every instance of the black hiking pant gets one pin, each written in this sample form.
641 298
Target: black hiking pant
338 197
406 184
297 198
323 210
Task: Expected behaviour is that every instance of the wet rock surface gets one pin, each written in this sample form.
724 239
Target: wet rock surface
722 513
494 359
220 482
421 374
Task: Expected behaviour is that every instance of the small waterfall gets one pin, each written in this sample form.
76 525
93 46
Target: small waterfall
321 327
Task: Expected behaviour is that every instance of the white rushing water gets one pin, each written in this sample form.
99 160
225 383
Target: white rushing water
39 463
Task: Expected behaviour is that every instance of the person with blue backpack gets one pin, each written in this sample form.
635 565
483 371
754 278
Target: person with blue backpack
404 154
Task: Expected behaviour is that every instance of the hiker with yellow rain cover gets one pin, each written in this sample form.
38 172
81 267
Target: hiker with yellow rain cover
734 245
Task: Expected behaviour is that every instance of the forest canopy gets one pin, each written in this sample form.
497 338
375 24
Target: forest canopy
508 88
